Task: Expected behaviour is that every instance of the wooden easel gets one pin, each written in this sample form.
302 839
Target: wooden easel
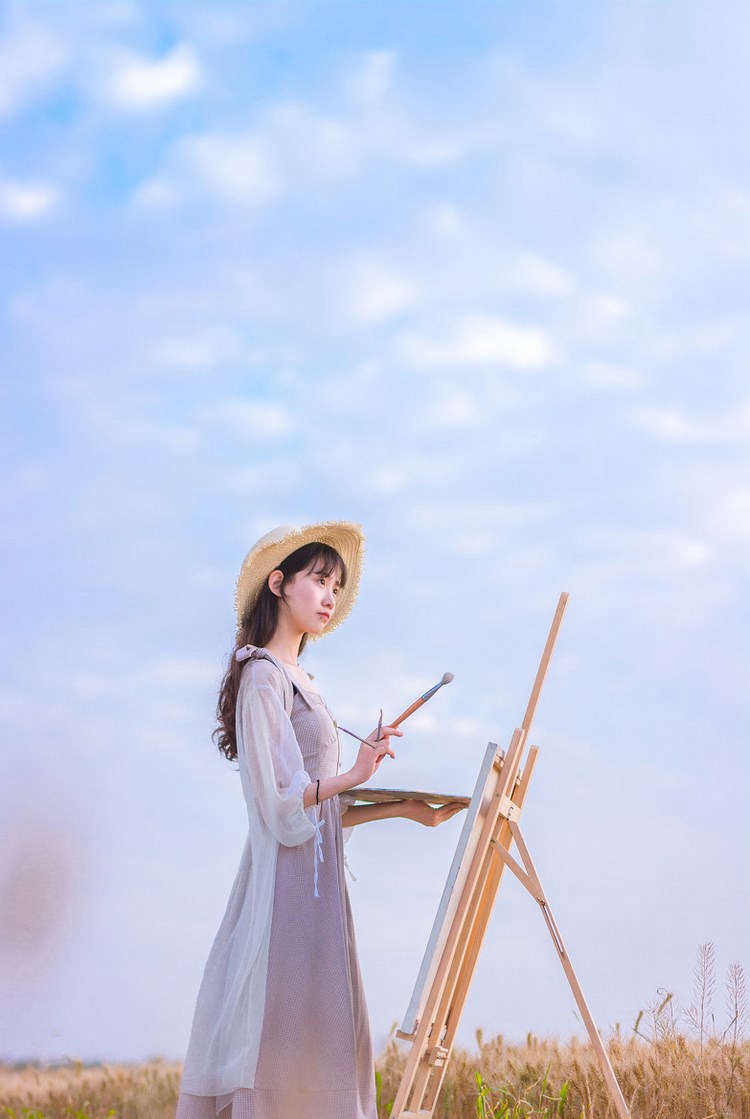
432 1019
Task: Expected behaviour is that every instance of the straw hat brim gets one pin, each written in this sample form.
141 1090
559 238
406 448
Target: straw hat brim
273 548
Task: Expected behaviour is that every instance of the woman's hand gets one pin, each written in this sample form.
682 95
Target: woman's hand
423 813
371 753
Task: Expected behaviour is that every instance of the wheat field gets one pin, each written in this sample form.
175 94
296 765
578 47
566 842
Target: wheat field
674 1064
673 1078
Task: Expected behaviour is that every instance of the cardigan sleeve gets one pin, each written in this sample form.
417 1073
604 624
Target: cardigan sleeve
270 758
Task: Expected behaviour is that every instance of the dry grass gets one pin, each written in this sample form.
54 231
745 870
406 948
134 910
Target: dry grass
667 1079
664 1073
77 1091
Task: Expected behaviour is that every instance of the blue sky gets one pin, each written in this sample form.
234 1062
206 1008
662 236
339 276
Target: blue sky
474 275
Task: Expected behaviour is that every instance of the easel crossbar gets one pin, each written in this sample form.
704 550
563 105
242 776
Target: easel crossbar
533 887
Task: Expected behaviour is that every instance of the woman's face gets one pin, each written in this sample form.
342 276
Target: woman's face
310 597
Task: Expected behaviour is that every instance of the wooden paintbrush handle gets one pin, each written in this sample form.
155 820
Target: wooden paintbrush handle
409 711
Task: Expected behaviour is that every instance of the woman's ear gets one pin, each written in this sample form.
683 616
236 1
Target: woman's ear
275 579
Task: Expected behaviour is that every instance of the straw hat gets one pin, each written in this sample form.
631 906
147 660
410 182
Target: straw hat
273 548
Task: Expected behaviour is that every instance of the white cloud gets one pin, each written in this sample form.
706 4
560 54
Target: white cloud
293 144
30 59
238 168
177 672
671 424
26 201
732 513
610 375
606 308
259 419
714 495
629 256
397 474
440 150
477 339
193 351
157 193
540 276
640 554
454 409
447 221
691 552
140 83
308 143
377 293
713 339
372 79
566 113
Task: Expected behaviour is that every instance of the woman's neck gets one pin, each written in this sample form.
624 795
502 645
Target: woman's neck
284 645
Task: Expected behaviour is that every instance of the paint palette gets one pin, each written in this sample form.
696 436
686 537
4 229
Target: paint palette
365 795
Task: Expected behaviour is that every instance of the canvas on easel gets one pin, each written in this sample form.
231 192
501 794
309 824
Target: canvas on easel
483 852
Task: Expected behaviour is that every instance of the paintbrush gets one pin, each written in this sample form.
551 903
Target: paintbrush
447 677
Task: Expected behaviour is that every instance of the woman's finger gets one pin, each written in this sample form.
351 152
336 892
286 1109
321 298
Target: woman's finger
382 747
385 732
451 809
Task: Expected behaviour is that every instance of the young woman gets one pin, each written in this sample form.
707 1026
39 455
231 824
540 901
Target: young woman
280 1028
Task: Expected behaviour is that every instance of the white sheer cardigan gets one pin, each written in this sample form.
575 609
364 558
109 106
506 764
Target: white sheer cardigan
223 1050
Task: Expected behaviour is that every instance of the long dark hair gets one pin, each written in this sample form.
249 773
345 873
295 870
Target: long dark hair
258 627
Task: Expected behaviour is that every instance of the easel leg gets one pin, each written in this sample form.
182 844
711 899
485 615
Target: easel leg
530 880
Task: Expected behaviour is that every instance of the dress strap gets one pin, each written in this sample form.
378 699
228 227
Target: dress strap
256 653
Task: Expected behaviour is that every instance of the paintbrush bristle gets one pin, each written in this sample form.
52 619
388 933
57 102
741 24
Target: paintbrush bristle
447 677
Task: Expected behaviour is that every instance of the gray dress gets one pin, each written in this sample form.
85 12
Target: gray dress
280 1028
